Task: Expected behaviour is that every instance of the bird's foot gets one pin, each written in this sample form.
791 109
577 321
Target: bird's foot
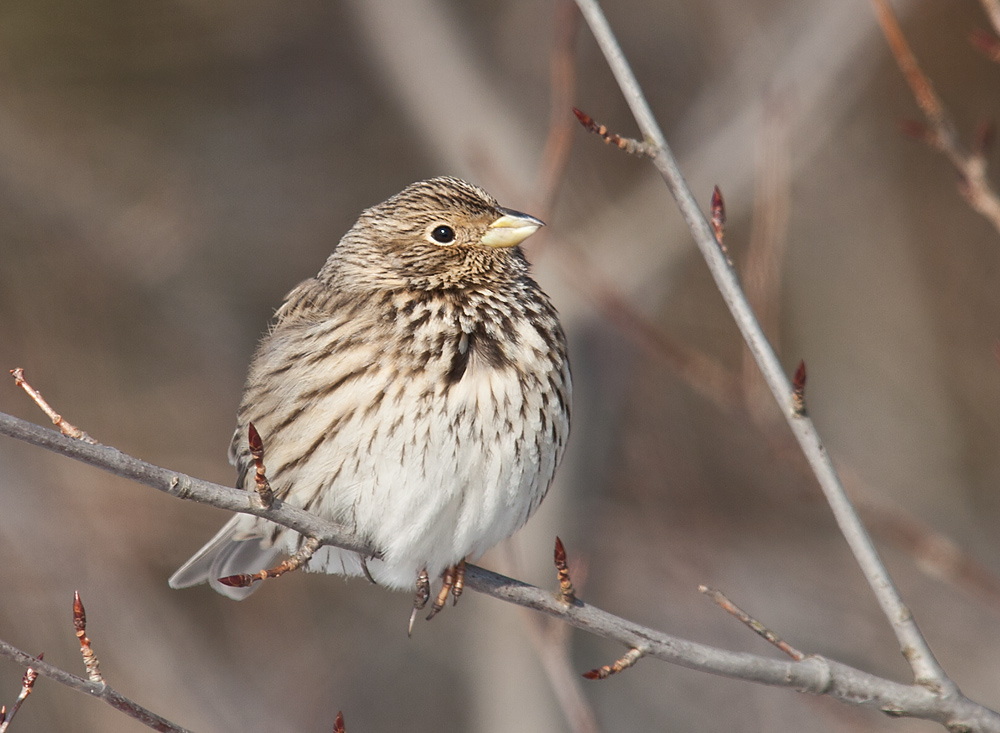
420 599
452 582
456 590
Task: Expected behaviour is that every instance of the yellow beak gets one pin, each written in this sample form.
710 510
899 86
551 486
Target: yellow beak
510 229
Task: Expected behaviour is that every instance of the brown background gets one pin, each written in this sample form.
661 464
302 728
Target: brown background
169 170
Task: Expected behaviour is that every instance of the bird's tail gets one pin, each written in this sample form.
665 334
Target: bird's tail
231 552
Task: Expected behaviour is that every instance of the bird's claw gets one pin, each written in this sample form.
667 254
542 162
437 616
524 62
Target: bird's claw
420 599
452 582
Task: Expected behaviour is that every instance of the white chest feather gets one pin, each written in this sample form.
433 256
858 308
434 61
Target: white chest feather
429 459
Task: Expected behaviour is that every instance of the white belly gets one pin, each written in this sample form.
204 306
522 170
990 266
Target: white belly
448 478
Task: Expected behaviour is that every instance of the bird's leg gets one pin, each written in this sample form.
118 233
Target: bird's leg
420 599
459 586
447 583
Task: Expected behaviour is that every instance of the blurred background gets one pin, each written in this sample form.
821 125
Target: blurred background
169 170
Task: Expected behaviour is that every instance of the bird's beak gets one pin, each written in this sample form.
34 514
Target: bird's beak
510 229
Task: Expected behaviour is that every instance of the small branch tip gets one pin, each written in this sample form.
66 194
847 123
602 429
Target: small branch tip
295 562
753 624
90 661
263 486
626 144
718 214
718 221
240 581
27 685
567 594
799 390
65 427
620 665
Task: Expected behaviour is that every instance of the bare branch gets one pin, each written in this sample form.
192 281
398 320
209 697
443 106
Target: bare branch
925 667
974 186
619 665
264 491
64 425
101 691
756 626
625 144
718 215
27 685
296 561
814 674
567 594
90 661
799 390
180 485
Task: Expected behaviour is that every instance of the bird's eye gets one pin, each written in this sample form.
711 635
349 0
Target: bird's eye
443 234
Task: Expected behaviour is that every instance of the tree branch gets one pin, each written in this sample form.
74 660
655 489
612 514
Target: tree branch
971 166
914 647
100 690
180 485
813 674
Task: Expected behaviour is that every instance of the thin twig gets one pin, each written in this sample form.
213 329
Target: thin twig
90 661
814 674
753 624
619 665
718 220
975 187
264 491
925 667
27 685
567 594
181 485
64 425
101 691
296 561
626 144
923 90
799 390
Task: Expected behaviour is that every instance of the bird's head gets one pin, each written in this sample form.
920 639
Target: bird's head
440 233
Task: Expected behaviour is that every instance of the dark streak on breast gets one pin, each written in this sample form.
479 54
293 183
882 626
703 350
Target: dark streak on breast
485 348
459 362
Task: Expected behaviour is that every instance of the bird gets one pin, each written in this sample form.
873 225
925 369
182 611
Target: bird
417 392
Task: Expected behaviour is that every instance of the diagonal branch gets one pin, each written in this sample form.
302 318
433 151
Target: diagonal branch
814 674
100 690
27 685
180 485
925 667
974 185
